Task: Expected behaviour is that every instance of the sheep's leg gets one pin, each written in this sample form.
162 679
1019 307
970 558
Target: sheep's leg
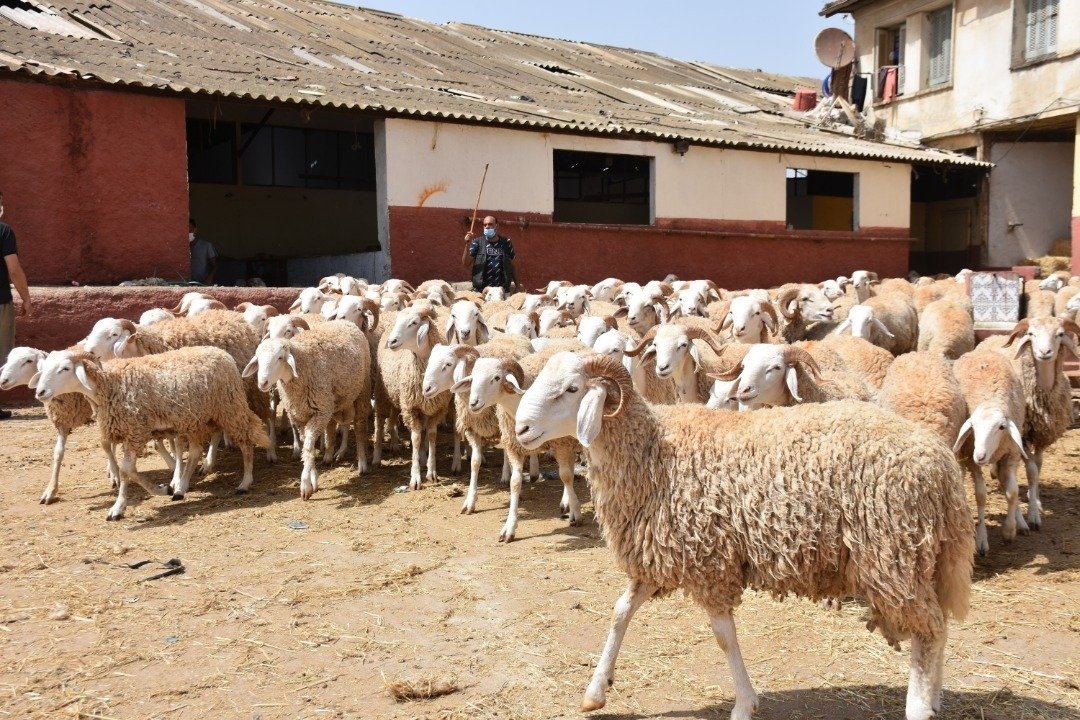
309 476
604 675
534 467
1034 470
211 453
746 700
455 465
248 453
982 545
432 453
170 461
475 457
1010 524
921 694
58 457
517 463
416 428
195 452
570 505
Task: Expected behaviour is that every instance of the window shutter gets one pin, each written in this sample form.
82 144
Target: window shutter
940 23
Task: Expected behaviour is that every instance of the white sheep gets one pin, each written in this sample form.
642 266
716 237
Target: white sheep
817 501
990 436
135 400
322 374
401 362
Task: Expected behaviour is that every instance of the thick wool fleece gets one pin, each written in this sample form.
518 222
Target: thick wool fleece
818 501
192 392
921 387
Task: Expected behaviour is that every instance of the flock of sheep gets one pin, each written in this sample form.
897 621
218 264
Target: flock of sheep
869 399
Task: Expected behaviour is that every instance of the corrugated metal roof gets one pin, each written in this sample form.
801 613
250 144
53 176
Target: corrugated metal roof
322 53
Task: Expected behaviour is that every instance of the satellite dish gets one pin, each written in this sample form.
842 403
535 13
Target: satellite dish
834 48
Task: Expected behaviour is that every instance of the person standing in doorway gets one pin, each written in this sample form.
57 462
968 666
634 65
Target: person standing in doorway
11 272
492 258
203 256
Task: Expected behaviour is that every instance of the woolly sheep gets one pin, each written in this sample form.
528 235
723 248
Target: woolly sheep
920 386
990 436
1037 359
946 327
322 374
788 500
887 320
134 399
401 362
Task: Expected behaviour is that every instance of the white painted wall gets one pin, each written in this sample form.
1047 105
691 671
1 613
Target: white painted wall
984 89
440 165
1042 207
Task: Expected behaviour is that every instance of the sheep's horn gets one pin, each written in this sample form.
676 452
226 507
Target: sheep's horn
608 368
784 298
1019 329
647 338
793 354
697 333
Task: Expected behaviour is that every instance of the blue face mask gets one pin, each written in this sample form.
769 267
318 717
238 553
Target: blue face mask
489 232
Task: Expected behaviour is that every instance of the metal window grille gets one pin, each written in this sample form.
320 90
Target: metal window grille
940 26
1040 28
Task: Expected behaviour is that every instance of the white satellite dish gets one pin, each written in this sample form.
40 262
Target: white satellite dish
834 48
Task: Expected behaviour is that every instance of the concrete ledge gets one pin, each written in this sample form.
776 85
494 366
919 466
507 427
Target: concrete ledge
64 315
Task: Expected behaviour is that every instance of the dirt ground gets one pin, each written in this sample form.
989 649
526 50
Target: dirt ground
292 609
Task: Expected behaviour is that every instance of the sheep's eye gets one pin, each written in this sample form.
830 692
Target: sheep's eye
572 389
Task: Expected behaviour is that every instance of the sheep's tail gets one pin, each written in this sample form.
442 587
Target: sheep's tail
955 560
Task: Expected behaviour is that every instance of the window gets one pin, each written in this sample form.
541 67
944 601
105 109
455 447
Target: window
821 200
211 151
939 30
890 62
602 188
1040 27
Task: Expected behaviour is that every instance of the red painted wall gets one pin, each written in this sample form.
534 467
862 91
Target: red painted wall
94 183
427 243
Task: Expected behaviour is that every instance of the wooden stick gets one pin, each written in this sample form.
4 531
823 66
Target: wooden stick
477 206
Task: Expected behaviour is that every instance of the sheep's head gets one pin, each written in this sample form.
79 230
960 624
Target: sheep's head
574 299
572 396
492 380
285 327
63 372
606 289
768 375
446 365
749 317
108 339
311 300
154 316
591 327
273 362
805 301
412 329
22 364
359 311
863 324
527 325
988 427
1044 338
467 324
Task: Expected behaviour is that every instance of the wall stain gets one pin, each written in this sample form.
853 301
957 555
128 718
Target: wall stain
429 191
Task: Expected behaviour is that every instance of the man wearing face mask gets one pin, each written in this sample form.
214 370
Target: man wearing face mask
203 256
492 258
11 272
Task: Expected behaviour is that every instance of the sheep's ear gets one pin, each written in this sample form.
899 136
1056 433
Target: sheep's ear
695 355
422 332
882 328
80 375
512 383
1014 433
292 363
1022 346
251 367
34 381
590 414
791 377
965 430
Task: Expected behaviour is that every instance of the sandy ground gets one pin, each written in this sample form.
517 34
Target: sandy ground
380 586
